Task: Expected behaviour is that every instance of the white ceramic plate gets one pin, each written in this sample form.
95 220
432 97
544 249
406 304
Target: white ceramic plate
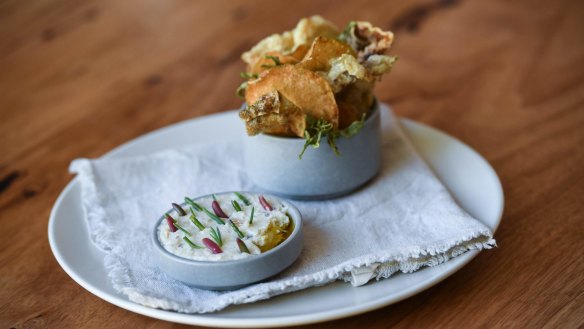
467 175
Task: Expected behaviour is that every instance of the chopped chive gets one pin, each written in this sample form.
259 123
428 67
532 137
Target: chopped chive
275 59
181 228
236 229
251 217
190 243
248 76
216 235
235 205
193 204
179 209
242 198
214 198
196 221
214 217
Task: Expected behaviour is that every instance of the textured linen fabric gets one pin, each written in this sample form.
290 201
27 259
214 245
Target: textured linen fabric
404 219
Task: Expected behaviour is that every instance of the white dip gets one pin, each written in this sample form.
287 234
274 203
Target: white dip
267 229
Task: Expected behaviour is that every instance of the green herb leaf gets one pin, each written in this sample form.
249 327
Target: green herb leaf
213 216
353 128
193 204
236 229
190 243
331 140
251 217
317 128
216 236
240 92
344 36
235 205
181 228
242 198
248 76
273 58
195 220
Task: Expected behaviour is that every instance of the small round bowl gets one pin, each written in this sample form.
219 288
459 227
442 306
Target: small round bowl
231 274
273 165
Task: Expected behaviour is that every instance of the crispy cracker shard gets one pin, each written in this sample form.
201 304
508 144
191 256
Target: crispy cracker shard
322 51
306 89
366 39
273 114
291 43
313 82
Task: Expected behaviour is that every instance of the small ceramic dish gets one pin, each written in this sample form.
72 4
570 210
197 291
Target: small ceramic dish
231 274
273 164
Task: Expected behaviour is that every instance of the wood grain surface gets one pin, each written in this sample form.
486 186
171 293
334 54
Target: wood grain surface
78 78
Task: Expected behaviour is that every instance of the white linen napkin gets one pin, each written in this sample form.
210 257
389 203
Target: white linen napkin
401 221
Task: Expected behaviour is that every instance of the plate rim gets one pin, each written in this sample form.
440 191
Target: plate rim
280 321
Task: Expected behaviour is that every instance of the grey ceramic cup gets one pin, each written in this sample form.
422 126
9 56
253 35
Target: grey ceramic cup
273 165
231 274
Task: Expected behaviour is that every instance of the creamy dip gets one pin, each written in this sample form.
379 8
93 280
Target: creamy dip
267 230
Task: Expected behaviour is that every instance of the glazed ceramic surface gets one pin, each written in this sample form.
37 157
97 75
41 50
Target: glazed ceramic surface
231 274
274 166
471 180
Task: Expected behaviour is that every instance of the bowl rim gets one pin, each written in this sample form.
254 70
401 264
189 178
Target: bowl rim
375 110
294 215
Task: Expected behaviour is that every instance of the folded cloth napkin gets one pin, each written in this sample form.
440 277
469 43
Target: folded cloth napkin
404 219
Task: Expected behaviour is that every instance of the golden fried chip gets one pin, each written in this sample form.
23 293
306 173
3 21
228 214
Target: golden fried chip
308 90
322 51
305 31
275 115
267 61
309 28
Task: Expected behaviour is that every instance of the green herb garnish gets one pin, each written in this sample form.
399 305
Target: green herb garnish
317 128
248 76
195 220
193 204
251 217
353 128
190 243
240 92
216 235
236 229
242 198
346 34
181 228
235 205
273 58
214 217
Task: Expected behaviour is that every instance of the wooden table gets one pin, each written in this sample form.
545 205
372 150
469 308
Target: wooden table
78 78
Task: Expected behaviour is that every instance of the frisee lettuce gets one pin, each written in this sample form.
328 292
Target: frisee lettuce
317 128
